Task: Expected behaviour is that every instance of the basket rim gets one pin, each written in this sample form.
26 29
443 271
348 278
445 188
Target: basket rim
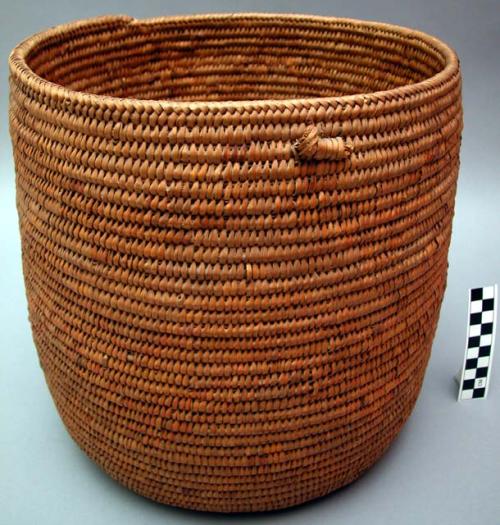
18 67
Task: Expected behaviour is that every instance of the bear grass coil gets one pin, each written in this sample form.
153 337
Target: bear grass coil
235 232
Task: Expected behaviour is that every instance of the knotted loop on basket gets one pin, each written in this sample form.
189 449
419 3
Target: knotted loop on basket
314 146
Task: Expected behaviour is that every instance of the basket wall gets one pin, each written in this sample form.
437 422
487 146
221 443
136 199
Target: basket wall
234 302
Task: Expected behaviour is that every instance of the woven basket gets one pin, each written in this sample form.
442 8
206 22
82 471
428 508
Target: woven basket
235 232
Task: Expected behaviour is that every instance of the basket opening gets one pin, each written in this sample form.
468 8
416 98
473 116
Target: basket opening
220 59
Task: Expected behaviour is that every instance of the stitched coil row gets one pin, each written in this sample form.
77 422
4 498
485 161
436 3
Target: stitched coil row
234 232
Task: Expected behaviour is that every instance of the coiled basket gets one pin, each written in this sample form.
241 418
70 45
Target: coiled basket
235 232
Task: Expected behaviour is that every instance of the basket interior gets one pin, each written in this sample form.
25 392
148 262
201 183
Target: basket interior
210 58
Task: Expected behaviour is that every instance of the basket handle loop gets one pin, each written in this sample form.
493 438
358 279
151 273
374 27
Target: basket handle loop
314 146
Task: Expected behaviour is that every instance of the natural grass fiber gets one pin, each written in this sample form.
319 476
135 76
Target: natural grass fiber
235 232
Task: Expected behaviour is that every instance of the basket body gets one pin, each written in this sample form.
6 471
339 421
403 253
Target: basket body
234 302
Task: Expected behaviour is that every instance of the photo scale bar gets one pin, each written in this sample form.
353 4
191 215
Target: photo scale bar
479 347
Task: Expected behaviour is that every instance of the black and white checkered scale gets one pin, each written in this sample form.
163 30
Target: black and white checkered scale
478 354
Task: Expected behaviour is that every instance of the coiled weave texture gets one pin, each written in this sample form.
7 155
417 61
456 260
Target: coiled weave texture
235 232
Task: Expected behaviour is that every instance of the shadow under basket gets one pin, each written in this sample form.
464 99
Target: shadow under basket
235 233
